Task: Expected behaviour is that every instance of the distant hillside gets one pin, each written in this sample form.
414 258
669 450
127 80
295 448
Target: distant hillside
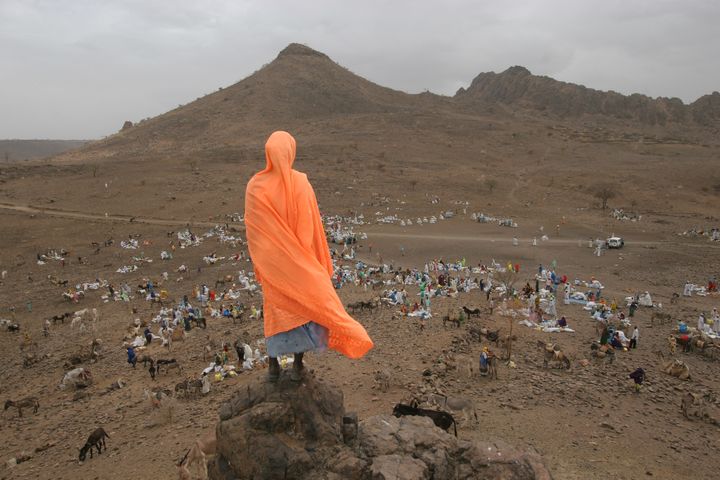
17 150
299 87
517 88
305 91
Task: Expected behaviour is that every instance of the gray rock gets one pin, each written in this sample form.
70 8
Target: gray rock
300 431
398 467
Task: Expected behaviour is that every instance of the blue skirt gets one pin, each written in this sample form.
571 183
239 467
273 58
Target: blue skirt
305 338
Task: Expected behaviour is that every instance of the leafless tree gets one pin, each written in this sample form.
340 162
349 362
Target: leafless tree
507 279
604 192
490 184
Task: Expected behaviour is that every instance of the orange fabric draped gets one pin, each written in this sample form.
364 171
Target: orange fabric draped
290 254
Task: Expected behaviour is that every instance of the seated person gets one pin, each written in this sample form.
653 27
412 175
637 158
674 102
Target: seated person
615 342
562 323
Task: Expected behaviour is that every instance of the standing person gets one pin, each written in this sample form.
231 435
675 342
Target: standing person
701 322
132 357
633 307
289 251
638 376
240 350
634 338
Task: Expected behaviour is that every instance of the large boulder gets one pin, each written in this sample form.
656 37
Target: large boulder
288 430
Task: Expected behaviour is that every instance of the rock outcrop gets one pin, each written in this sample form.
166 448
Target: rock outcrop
517 88
301 431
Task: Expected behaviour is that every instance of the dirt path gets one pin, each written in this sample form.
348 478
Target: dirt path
109 218
52 212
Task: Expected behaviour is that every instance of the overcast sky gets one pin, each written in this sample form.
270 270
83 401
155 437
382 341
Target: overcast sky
79 68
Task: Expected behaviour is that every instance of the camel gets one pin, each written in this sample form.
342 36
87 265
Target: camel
661 317
603 352
676 368
553 353
694 406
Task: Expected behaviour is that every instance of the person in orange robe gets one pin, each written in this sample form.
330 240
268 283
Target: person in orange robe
291 258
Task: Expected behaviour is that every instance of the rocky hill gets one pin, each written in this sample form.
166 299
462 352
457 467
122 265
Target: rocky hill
519 89
300 87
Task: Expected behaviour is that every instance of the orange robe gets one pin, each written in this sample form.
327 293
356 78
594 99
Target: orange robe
290 254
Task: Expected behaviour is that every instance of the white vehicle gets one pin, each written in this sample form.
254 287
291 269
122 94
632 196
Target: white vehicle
615 242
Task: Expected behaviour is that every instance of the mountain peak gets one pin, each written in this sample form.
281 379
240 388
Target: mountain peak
517 70
298 49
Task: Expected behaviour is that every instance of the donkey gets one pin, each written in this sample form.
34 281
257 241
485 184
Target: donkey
97 440
24 403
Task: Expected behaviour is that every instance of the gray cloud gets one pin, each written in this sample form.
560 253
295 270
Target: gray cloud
79 68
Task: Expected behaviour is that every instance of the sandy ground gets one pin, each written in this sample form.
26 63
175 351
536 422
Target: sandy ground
586 422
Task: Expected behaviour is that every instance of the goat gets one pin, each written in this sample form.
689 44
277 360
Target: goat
207 445
26 402
60 318
371 304
97 440
441 419
222 281
447 319
13 327
188 388
382 380
354 306
469 312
